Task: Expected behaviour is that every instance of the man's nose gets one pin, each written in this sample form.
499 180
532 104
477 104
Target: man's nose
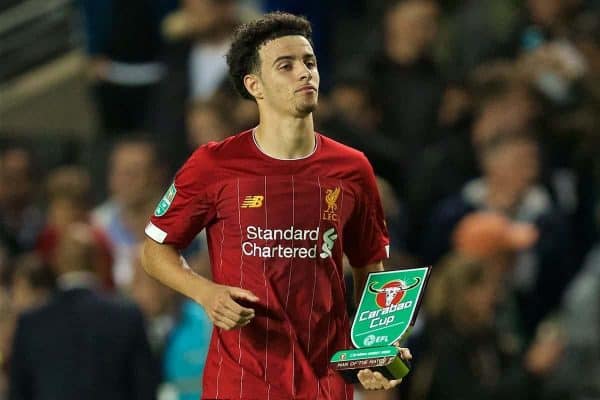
305 73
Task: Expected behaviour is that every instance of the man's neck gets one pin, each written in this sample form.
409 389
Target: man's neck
76 279
286 138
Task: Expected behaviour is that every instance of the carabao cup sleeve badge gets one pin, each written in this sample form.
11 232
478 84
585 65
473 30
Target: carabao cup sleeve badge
166 201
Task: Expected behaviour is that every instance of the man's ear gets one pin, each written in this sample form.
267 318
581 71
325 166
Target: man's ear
253 85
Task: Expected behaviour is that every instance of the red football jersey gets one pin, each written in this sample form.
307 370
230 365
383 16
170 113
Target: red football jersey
278 228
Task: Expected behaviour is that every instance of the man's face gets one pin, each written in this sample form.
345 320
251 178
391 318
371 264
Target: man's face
131 178
289 78
205 125
15 179
515 166
351 103
410 29
513 111
546 12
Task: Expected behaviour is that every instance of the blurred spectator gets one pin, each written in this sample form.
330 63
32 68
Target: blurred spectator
157 303
245 114
551 60
465 358
581 320
186 350
31 284
430 180
197 37
179 333
6 333
495 240
473 32
573 137
6 321
510 165
81 345
320 14
123 44
554 69
208 121
510 102
504 106
395 219
135 180
20 219
68 201
407 91
483 235
406 84
547 20
353 120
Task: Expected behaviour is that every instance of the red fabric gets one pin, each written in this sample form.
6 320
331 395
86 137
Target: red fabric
258 211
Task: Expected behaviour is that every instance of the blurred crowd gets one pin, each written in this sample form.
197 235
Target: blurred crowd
481 119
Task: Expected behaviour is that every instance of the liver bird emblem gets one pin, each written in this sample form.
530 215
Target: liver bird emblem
331 196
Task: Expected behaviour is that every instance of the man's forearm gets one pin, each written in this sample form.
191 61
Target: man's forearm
165 264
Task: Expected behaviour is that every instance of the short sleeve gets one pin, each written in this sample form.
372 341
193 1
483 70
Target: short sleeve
366 238
187 206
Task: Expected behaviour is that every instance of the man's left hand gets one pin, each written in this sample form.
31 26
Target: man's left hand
375 380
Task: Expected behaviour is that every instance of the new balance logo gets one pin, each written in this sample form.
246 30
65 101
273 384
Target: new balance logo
253 201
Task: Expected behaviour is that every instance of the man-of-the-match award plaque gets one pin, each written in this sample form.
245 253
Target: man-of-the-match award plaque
386 313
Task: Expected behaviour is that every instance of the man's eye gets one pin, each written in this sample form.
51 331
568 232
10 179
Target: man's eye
311 64
285 67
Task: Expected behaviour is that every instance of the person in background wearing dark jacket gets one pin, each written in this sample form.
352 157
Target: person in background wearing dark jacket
81 345
466 357
196 36
20 219
509 185
123 44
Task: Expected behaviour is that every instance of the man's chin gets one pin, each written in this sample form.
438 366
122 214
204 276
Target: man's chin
307 108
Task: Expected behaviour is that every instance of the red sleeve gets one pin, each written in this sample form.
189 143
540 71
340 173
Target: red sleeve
187 206
366 238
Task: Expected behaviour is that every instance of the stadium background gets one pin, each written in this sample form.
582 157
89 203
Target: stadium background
480 117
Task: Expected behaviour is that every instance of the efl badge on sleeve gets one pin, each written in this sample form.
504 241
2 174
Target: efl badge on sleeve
386 313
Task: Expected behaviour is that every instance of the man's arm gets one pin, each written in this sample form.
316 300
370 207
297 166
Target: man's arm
164 263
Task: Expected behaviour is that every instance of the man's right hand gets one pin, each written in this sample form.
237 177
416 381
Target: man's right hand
219 302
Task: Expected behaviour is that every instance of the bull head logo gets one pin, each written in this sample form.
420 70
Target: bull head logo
391 292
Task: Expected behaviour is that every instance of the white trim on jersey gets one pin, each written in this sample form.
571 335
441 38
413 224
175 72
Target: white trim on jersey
155 233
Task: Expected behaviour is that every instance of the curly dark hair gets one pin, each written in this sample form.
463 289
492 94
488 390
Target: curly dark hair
248 38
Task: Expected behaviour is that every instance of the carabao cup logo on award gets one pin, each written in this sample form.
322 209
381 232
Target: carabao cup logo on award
387 307
391 293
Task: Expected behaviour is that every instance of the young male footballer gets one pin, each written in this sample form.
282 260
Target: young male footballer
281 205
